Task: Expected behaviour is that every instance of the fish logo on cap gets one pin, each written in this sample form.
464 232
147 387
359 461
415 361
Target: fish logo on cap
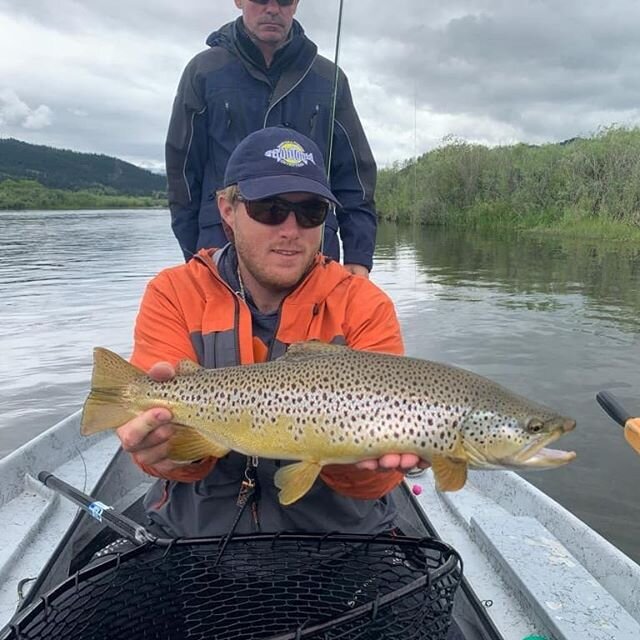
291 154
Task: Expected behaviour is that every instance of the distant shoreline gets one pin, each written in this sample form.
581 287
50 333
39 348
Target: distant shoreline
30 195
86 208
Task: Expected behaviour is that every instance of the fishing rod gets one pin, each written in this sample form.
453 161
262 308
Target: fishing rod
614 409
334 101
334 94
103 513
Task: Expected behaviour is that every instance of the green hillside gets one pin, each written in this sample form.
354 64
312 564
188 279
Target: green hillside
72 171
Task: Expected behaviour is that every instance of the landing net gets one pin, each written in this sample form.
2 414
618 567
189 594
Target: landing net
263 587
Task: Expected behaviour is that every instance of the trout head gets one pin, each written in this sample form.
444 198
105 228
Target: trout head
510 432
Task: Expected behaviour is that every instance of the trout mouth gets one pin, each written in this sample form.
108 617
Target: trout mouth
535 455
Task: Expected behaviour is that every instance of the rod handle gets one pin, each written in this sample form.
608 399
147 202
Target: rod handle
613 408
97 510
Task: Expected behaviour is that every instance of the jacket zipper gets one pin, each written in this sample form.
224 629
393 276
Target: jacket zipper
313 313
227 109
284 95
312 120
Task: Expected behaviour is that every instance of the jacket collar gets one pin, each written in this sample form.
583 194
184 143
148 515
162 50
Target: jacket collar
323 277
297 52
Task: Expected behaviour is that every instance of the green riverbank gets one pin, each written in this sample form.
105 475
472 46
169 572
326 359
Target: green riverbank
585 187
30 194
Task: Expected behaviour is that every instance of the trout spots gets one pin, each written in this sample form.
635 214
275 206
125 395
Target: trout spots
320 396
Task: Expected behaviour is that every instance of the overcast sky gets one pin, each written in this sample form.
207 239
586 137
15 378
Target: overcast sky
100 75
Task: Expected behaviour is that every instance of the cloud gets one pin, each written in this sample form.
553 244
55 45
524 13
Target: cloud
489 71
38 118
15 112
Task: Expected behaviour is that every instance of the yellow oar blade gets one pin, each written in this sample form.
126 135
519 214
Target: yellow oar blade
617 412
632 433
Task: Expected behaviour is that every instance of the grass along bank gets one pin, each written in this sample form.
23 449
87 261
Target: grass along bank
30 194
588 187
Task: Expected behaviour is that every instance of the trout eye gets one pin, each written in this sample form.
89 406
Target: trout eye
534 425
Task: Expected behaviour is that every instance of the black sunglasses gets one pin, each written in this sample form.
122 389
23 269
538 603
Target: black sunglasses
273 211
282 3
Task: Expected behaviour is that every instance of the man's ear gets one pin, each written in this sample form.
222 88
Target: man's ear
238 4
226 210
226 215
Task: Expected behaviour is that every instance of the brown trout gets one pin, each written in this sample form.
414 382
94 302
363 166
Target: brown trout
323 404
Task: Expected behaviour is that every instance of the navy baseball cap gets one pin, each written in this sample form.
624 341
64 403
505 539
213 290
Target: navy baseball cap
277 160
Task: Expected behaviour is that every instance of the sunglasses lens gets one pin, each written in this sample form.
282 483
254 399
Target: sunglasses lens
273 211
311 213
266 211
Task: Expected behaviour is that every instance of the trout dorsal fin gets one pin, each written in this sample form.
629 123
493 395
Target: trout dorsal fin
450 474
313 349
187 367
106 406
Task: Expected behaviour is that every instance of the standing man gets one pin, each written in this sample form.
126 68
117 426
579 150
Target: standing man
262 71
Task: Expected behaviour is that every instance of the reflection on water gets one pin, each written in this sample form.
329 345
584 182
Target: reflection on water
555 320
69 281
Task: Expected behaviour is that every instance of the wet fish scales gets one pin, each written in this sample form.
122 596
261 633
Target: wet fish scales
323 404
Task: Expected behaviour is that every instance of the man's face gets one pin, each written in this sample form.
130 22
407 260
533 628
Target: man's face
269 23
274 257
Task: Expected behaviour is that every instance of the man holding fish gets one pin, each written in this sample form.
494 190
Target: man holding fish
324 431
245 303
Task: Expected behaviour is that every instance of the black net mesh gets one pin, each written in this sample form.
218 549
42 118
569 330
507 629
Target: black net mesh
261 587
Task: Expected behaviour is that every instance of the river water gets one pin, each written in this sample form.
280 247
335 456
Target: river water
555 320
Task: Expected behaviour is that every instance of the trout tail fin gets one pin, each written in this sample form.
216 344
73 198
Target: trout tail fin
107 407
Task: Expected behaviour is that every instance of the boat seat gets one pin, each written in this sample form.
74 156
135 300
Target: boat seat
562 594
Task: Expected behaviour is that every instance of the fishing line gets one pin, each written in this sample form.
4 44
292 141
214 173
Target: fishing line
84 464
334 100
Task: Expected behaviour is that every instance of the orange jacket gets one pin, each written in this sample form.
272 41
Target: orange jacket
190 312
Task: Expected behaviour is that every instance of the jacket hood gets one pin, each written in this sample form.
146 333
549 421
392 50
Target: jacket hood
222 37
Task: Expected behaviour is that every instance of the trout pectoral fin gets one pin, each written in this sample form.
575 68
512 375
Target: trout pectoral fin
450 474
188 444
295 480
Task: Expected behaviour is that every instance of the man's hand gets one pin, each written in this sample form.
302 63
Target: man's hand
394 462
146 436
357 270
